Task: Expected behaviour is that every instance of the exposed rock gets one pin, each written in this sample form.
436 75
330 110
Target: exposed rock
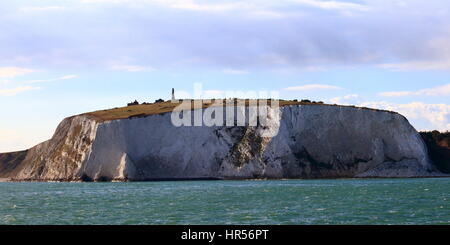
314 141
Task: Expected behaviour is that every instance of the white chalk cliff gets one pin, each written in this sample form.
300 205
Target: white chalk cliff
314 141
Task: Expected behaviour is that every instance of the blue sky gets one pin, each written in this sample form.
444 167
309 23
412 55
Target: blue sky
60 58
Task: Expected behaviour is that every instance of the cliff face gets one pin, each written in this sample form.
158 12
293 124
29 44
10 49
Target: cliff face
314 141
438 145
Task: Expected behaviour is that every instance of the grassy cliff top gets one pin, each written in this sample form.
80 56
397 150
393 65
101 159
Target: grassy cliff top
148 109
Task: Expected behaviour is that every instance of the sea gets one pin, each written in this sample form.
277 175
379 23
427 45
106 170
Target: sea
264 202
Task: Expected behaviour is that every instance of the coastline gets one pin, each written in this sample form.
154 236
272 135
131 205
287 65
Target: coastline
213 179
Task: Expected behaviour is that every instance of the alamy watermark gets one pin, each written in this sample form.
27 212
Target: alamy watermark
228 108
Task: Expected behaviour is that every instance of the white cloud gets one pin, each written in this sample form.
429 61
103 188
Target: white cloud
250 8
235 72
179 4
271 14
333 5
423 116
132 68
191 5
310 87
237 33
350 99
314 68
418 65
41 8
15 91
443 90
12 71
396 93
66 77
106 1
195 5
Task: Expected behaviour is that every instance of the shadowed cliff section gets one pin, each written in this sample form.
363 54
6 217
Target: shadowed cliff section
10 161
438 145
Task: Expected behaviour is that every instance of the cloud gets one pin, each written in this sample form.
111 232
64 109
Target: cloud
235 72
418 65
17 90
188 5
191 5
66 77
234 5
11 71
230 34
396 93
423 116
41 8
333 5
350 99
116 1
310 87
132 68
436 91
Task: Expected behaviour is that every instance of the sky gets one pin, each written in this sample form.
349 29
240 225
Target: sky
61 58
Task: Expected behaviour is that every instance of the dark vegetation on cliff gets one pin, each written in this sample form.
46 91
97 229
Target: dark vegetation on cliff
438 145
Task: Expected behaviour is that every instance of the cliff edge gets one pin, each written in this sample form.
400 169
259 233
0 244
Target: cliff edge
313 141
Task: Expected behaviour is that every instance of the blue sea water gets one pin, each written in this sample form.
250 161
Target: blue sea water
341 201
